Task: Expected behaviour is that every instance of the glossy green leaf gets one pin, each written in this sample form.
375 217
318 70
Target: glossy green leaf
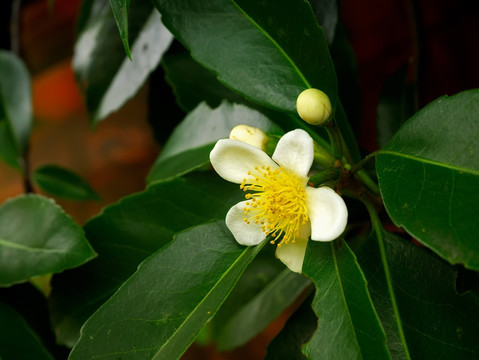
7 146
15 99
193 84
429 175
120 10
37 237
104 73
192 277
437 322
128 232
297 331
191 142
17 340
348 325
251 317
256 48
396 104
61 182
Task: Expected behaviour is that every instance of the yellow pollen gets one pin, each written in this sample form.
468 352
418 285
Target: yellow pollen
277 202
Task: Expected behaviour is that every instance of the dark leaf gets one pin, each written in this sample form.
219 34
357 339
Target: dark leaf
256 48
159 319
429 175
128 232
61 182
348 325
17 340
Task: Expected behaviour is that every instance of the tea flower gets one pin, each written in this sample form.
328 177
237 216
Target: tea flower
278 201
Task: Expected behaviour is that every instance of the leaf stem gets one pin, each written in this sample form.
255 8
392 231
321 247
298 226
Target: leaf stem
377 227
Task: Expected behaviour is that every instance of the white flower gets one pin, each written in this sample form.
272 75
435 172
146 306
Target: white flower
278 201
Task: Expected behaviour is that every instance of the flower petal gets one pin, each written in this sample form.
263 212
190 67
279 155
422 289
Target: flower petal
327 212
245 234
233 159
292 254
295 151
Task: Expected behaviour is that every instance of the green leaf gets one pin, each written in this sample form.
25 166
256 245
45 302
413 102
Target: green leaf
429 175
7 146
37 237
251 317
104 73
256 48
61 182
193 84
348 325
120 10
128 232
437 322
15 100
190 143
192 277
17 340
296 332
396 104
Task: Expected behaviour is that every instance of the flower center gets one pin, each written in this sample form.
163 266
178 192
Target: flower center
278 203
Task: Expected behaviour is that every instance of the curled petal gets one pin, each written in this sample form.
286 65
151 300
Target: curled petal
245 234
232 159
295 151
327 212
292 254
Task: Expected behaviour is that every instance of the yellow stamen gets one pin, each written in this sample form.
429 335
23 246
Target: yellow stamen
278 203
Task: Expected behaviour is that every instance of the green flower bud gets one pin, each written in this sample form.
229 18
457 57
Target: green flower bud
249 135
314 106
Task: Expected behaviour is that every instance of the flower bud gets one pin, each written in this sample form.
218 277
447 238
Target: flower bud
313 106
249 135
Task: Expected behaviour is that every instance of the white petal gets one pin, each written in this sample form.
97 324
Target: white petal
233 159
295 151
292 254
245 234
327 212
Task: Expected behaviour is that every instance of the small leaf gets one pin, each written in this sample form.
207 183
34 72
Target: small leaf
193 84
429 175
37 237
15 99
437 322
7 146
105 74
61 182
253 316
191 142
192 277
128 232
348 325
17 340
120 10
256 48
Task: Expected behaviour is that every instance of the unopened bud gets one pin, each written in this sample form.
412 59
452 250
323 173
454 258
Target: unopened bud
314 106
249 135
